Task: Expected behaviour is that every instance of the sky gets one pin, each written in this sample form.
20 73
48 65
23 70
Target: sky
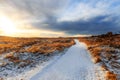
55 18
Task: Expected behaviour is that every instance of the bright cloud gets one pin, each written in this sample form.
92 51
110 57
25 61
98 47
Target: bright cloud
63 17
88 10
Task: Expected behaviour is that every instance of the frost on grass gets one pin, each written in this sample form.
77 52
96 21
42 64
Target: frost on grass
75 64
105 49
20 55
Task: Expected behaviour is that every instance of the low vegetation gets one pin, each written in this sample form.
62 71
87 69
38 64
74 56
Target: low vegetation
33 45
22 52
105 49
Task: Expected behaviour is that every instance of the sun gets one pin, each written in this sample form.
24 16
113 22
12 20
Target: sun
7 26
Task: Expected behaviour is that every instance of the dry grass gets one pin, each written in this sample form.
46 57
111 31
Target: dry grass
111 76
9 44
14 46
106 46
96 42
50 46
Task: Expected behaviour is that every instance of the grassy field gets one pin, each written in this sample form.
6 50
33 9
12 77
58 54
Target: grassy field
10 45
33 45
105 49
19 53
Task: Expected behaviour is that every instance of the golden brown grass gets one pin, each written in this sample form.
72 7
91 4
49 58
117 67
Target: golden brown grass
34 45
45 46
111 76
95 46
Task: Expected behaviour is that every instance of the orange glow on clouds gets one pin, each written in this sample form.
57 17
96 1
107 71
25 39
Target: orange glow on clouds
17 28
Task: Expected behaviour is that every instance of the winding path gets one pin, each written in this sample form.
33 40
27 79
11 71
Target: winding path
75 64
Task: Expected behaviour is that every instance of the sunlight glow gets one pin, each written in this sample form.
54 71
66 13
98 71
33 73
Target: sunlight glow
17 27
7 26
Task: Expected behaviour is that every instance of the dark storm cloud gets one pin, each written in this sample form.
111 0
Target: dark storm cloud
86 18
70 16
93 26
